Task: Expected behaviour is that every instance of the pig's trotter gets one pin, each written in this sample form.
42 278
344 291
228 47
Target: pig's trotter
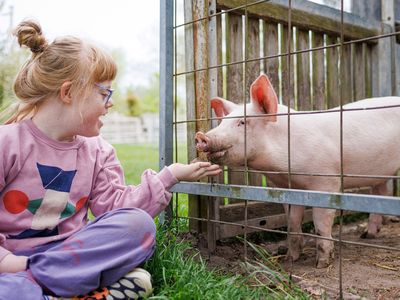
374 226
325 254
295 244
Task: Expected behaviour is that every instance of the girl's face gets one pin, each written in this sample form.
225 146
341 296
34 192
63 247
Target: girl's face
93 108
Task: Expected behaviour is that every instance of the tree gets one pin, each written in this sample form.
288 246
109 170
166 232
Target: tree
133 103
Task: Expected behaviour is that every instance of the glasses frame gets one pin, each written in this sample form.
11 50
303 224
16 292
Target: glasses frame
110 92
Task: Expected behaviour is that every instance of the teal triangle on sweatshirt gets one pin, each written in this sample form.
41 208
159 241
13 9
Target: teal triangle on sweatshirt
33 205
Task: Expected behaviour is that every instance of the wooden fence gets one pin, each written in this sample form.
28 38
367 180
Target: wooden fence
229 42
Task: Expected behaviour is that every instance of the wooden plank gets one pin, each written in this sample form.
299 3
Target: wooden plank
303 71
234 76
194 201
309 15
271 47
359 71
252 71
332 73
252 51
272 221
287 69
318 72
368 71
346 75
214 58
234 53
202 87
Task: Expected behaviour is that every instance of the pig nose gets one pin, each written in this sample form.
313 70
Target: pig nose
202 141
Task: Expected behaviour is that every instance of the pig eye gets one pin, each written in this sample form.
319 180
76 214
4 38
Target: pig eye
241 122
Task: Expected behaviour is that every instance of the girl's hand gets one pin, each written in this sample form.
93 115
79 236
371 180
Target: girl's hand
12 263
194 171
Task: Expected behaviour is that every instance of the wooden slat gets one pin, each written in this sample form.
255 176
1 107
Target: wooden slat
234 53
273 220
194 201
333 93
234 76
312 16
252 72
252 51
271 47
359 71
287 70
368 72
202 88
303 72
214 58
318 72
346 75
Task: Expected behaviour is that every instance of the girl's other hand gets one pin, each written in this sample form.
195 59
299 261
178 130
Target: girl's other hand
13 263
194 171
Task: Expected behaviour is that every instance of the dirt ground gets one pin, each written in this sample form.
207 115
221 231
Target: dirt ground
368 273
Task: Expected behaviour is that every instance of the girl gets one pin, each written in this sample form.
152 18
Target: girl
54 166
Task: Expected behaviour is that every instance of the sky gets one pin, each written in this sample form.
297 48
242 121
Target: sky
132 26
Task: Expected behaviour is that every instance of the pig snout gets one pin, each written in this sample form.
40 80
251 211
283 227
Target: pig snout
202 142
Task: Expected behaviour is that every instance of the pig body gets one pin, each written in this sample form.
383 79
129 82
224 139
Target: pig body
370 147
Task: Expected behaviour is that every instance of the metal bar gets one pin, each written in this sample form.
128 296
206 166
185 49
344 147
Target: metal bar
345 201
166 90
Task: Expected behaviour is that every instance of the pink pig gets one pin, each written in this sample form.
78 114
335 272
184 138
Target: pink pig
370 147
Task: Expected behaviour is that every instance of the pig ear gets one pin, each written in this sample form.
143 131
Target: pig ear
264 97
221 106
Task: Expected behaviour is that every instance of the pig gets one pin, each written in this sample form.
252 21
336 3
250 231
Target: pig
371 141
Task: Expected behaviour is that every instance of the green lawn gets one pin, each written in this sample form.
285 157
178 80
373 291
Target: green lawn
178 270
137 158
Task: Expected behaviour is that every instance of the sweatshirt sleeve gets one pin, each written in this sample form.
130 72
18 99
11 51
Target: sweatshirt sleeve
110 192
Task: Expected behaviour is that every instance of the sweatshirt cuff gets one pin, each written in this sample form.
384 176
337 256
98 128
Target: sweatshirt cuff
167 178
3 253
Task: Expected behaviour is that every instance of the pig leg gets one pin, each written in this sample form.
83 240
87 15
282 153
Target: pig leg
375 220
294 219
323 221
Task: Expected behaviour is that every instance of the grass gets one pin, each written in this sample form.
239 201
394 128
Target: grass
137 158
179 273
177 268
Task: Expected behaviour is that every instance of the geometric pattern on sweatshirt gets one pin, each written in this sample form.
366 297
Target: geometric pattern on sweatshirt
49 210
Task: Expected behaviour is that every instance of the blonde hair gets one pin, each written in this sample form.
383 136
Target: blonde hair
50 65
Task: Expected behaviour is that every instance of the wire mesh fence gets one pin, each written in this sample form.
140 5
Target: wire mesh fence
319 60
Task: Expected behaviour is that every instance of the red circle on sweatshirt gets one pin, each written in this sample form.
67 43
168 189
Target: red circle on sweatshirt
15 201
81 202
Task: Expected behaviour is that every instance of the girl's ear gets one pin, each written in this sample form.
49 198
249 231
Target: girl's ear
263 96
65 92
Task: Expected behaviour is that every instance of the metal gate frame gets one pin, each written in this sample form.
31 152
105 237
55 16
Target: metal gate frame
340 201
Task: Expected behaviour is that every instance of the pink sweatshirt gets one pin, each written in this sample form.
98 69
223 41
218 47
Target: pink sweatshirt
47 187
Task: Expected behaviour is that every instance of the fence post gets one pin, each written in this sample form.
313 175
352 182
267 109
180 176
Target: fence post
166 91
383 66
397 46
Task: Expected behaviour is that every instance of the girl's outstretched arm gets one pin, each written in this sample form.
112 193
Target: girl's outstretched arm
194 171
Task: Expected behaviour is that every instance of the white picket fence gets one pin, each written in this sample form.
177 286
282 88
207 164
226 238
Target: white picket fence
121 129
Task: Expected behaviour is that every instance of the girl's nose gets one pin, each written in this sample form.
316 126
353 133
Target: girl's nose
110 103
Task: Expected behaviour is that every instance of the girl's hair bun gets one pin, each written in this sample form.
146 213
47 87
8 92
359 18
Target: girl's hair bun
29 33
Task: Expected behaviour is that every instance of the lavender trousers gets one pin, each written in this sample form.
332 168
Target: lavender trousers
96 256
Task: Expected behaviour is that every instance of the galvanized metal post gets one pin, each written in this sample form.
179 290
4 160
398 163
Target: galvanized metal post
166 91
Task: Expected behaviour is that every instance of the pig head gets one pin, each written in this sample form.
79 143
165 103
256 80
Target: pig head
260 141
225 143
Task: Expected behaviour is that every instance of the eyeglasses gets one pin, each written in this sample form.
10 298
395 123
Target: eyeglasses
109 93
